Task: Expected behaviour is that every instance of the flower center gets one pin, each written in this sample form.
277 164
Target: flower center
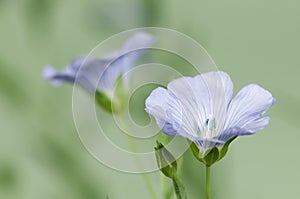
210 127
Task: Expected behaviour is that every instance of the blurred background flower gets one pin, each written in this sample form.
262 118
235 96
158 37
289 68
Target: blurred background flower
102 75
41 155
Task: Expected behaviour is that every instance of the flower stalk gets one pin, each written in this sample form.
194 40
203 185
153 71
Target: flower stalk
208 182
178 188
133 149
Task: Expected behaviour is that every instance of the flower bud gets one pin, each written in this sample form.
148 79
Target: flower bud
165 160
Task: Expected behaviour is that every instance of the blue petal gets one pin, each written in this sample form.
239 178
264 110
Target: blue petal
91 73
56 78
255 125
124 59
82 71
165 109
245 111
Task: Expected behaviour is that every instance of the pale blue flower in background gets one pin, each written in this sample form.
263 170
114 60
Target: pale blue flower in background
202 109
94 74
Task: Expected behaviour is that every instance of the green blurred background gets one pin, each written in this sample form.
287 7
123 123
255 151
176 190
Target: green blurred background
41 155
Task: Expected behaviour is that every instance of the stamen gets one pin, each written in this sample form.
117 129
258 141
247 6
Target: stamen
210 124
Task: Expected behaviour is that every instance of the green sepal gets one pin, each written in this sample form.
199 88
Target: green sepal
224 149
103 100
165 160
211 156
208 157
120 97
116 103
196 152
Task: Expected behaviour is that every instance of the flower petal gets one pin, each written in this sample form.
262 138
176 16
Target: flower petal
165 109
193 95
246 109
204 97
56 78
255 125
220 88
82 71
124 59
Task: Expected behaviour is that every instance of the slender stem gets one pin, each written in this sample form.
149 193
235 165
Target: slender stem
208 182
179 188
139 163
176 188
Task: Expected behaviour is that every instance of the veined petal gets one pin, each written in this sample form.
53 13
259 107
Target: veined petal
168 112
255 125
205 98
193 95
245 111
165 109
220 88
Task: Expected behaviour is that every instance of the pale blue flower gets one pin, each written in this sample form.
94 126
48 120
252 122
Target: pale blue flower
202 109
101 74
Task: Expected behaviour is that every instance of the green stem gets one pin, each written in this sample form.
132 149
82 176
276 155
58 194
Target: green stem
179 188
139 163
176 188
208 182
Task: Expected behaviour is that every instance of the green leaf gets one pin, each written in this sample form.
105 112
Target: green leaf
165 160
224 149
212 156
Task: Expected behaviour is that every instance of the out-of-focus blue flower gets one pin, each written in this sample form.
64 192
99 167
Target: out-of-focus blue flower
91 73
100 75
202 109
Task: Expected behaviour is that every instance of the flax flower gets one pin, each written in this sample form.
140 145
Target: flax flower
100 75
202 109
